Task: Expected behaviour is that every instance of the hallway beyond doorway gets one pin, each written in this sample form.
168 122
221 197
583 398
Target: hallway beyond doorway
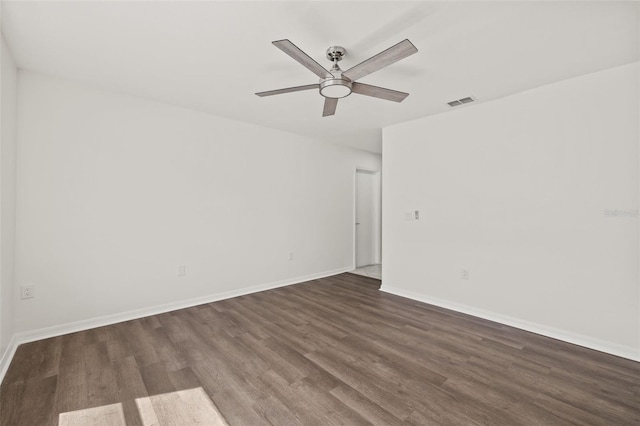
372 271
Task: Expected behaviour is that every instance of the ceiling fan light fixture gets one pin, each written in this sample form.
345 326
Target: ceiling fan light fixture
336 84
335 88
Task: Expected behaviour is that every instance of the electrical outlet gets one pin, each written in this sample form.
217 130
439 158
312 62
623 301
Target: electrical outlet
28 291
290 255
182 270
464 273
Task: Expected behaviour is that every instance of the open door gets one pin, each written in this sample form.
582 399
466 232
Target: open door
367 206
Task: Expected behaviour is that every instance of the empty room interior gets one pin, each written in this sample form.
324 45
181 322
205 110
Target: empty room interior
319 213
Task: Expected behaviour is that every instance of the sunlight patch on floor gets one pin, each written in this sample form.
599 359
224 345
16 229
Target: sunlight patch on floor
185 407
106 415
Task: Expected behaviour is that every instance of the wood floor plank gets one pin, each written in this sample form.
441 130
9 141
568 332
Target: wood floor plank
101 380
307 402
275 412
329 351
365 407
130 386
72 389
140 343
365 384
40 411
39 359
184 379
156 378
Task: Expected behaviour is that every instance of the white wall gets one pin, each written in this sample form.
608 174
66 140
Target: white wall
8 87
115 192
516 191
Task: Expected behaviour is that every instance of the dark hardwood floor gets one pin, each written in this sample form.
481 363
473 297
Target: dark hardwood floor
329 351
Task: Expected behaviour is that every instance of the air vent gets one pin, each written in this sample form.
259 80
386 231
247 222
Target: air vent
457 102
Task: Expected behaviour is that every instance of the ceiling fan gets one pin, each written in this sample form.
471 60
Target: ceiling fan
336 84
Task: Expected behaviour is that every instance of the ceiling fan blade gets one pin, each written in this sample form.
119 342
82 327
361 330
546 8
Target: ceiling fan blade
378 92
330 105
387 57
288 90
294 51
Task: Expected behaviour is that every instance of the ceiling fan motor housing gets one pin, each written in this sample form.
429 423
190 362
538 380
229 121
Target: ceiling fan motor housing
337 86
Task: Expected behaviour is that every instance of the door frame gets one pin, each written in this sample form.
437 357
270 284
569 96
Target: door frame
377 201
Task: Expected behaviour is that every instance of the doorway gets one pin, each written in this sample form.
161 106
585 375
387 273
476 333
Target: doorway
367 254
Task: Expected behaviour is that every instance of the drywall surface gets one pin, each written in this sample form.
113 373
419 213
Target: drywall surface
8 88
115 192
536 195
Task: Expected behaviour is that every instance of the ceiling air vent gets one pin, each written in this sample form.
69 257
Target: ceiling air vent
457 102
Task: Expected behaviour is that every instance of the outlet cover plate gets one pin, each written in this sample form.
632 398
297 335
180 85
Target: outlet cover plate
27 291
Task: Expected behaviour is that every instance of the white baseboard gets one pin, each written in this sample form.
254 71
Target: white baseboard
7 356
622 351
72 327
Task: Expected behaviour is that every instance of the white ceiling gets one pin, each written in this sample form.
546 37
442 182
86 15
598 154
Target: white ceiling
213 56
